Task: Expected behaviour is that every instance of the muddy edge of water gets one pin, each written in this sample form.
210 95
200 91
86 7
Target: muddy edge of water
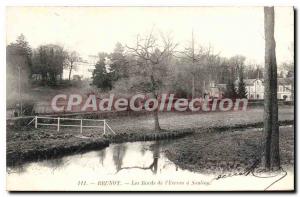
18 155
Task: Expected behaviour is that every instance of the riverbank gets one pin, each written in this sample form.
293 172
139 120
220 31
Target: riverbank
29 144
227 152
40 144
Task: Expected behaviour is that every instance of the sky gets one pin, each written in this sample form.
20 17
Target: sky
90 30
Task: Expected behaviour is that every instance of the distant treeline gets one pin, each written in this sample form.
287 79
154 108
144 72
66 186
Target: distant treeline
152 65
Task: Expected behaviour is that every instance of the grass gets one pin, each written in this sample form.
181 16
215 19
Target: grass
30 140
227 151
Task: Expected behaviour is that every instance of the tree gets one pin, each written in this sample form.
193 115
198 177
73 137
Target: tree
102 77
18 69
236 62
253 71
18 56
49 62
230 90
72 59
119 63
270 157
190 54
111 68
151 69
202 66
241 91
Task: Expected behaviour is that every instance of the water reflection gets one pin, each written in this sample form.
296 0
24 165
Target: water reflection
115 159
102 154
155 149
118 155
126 162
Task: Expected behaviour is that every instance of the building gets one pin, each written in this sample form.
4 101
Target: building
255 88
285 88
216 90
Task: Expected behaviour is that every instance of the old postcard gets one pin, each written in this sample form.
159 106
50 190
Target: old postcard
150 98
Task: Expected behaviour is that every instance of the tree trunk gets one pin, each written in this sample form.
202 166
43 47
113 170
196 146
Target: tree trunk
156 122
70 71
155 112
193 86
270 157
156 155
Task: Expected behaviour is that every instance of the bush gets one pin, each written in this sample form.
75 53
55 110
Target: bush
28 108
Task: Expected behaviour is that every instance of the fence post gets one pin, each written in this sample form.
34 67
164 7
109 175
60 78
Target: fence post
58 121
104 124
36 121
81 126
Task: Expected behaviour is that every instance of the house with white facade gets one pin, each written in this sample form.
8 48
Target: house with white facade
285 88
255 88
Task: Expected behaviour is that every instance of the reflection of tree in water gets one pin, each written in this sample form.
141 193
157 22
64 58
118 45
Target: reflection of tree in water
144 148
16 169
54 163
118 155
154 165
102 154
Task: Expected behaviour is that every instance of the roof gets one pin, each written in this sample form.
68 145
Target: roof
248 82
285 81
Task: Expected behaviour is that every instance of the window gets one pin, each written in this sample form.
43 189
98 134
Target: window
287 88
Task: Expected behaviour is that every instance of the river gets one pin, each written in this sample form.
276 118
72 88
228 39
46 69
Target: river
125 166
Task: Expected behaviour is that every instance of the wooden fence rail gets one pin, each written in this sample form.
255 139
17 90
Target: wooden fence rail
58 124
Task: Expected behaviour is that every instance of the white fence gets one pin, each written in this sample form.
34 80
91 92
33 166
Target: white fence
58 124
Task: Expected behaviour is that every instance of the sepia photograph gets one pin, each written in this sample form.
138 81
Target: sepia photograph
156 98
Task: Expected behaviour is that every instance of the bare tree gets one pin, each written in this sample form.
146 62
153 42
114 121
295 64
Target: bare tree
72 59
270 158
153 56
203 65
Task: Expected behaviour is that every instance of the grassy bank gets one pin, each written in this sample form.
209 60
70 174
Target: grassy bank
227 151
29 144
38 144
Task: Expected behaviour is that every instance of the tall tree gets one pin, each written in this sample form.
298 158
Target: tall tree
18 70
270 157
153 56
49 61
18 56
241 90
72 59
230 90
118 62
102 77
